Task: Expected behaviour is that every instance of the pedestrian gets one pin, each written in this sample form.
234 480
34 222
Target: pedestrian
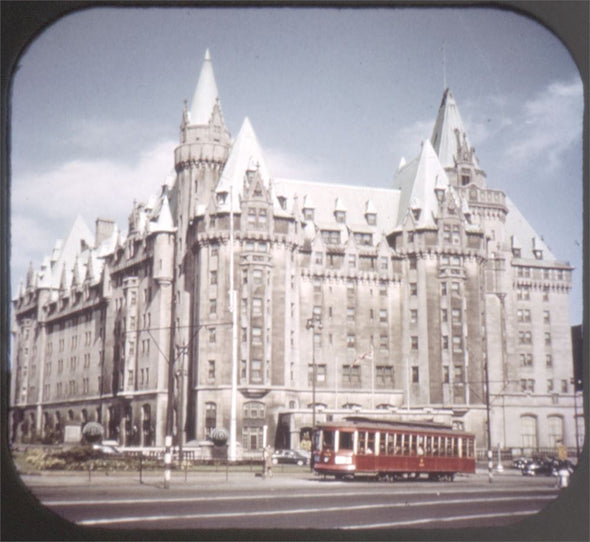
268 461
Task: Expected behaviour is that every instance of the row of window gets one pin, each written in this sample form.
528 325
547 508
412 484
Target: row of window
339 216
546 274
397 443
525 337
524 316
527 360
523 293
528 385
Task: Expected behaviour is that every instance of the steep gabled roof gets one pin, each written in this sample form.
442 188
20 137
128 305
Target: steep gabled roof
246 155
447 128
416 182
524 235
206 94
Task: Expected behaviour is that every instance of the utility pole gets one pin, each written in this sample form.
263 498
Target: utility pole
313 323
234 348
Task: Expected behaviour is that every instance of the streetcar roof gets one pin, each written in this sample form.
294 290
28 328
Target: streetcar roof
380 425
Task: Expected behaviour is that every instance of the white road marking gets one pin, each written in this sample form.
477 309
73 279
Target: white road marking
220 515
422 521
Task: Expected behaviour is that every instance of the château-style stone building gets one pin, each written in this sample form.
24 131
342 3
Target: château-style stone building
402 302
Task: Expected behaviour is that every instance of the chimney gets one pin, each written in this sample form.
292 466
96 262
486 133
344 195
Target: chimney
104 229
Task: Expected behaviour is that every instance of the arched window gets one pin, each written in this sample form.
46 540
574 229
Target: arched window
528 431
554 430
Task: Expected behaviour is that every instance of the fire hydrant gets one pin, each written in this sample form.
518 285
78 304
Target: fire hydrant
563 478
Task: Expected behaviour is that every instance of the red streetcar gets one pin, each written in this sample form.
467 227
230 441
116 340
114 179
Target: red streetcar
392 450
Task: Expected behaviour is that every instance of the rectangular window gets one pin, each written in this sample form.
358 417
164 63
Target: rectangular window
564 386
383 316
256 371
415 374
413 316
445 342
213 306
413 288
414 342
212 335
211 371
548 360
446 374
547 338
351 375
443 288
526 360
213 278
256 335
257 306
384 375
457 343
546 317
383 342
350 340
549 385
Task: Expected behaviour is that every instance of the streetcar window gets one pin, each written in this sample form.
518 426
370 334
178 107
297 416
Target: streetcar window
429 445
370 443
390 443
405 445
328 441
450 446
412 444
362 443
460 444
382 443
345 441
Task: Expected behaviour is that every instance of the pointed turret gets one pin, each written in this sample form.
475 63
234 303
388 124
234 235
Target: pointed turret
206 96
451 144
204 144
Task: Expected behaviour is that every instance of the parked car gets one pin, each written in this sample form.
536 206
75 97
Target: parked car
291 457
108 449
520 463
548 466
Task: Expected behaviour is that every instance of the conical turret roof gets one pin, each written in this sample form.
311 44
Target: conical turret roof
449 132
206 94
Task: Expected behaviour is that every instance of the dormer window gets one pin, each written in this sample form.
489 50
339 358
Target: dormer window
538 254
416 214
340 216
516 252
221 198
371 219
282 202
308 213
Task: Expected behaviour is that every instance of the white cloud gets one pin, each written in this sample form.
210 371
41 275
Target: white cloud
45 205
407 140
549 124
292 166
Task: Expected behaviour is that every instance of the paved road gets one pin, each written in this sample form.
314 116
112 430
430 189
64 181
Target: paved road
293 500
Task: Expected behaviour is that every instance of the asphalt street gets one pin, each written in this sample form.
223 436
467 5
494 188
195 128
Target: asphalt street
294 501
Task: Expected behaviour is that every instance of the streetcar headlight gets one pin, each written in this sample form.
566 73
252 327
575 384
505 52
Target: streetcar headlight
343 460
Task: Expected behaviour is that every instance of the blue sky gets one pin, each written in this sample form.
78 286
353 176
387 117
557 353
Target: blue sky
333 95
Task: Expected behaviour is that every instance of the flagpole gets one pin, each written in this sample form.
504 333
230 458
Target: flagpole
372 378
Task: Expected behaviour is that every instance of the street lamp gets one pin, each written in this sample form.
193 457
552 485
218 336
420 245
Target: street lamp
313 323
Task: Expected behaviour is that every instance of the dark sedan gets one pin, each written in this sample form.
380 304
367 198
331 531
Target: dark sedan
289 457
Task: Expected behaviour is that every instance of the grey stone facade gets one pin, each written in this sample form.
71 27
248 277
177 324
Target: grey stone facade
425 292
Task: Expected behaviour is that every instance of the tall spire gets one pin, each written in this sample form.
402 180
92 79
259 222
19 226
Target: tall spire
206 95
449 138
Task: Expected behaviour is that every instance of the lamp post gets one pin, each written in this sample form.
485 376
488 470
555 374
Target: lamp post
313 323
